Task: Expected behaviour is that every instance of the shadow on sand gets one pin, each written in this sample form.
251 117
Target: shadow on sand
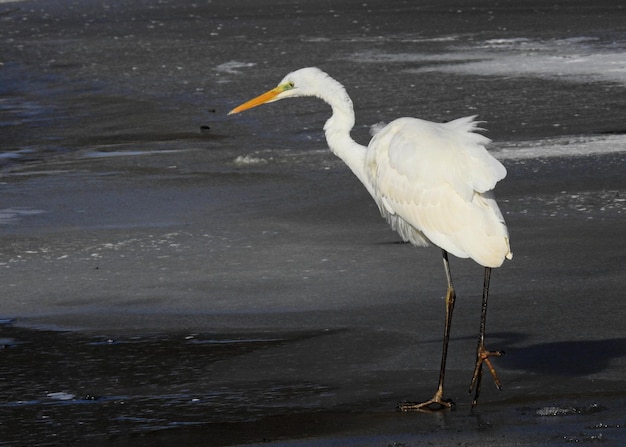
564 358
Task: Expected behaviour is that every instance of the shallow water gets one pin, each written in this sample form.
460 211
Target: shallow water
63 388
175 275
75 388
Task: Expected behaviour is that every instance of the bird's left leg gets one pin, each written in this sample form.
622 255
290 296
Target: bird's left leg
437 402
482 354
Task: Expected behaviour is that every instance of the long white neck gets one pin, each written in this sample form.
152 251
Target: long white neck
338 128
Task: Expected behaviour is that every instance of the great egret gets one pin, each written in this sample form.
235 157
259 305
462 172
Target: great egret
432 182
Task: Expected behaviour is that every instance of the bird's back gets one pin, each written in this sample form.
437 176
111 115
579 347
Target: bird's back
433 183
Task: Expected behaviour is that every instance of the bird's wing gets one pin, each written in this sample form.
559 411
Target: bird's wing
450 152
428 180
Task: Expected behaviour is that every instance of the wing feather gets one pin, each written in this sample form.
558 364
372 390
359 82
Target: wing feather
432 182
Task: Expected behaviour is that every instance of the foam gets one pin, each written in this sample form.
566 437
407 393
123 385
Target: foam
578 59
15 214
233 67
568 146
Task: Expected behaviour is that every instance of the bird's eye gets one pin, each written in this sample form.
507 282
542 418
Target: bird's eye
291 84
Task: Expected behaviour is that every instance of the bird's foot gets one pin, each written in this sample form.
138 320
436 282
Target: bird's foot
482 357
436 403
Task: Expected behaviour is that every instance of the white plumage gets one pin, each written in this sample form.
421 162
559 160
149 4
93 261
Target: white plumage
433 183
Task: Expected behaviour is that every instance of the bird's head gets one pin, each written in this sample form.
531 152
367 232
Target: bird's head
301 82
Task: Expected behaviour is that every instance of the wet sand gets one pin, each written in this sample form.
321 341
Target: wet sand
304 328
157 291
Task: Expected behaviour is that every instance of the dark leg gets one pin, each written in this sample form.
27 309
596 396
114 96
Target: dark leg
482 355
437 402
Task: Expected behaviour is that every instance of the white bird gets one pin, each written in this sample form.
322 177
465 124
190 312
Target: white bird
433 183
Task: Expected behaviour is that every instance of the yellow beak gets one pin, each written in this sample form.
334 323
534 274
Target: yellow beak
261 99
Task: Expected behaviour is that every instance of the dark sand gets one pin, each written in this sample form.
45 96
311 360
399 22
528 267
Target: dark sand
159 292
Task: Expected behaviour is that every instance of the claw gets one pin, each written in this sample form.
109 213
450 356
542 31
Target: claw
430 406
482 356
436 403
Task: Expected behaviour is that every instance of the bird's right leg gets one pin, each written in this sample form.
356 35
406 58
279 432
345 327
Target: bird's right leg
437 402
482 354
